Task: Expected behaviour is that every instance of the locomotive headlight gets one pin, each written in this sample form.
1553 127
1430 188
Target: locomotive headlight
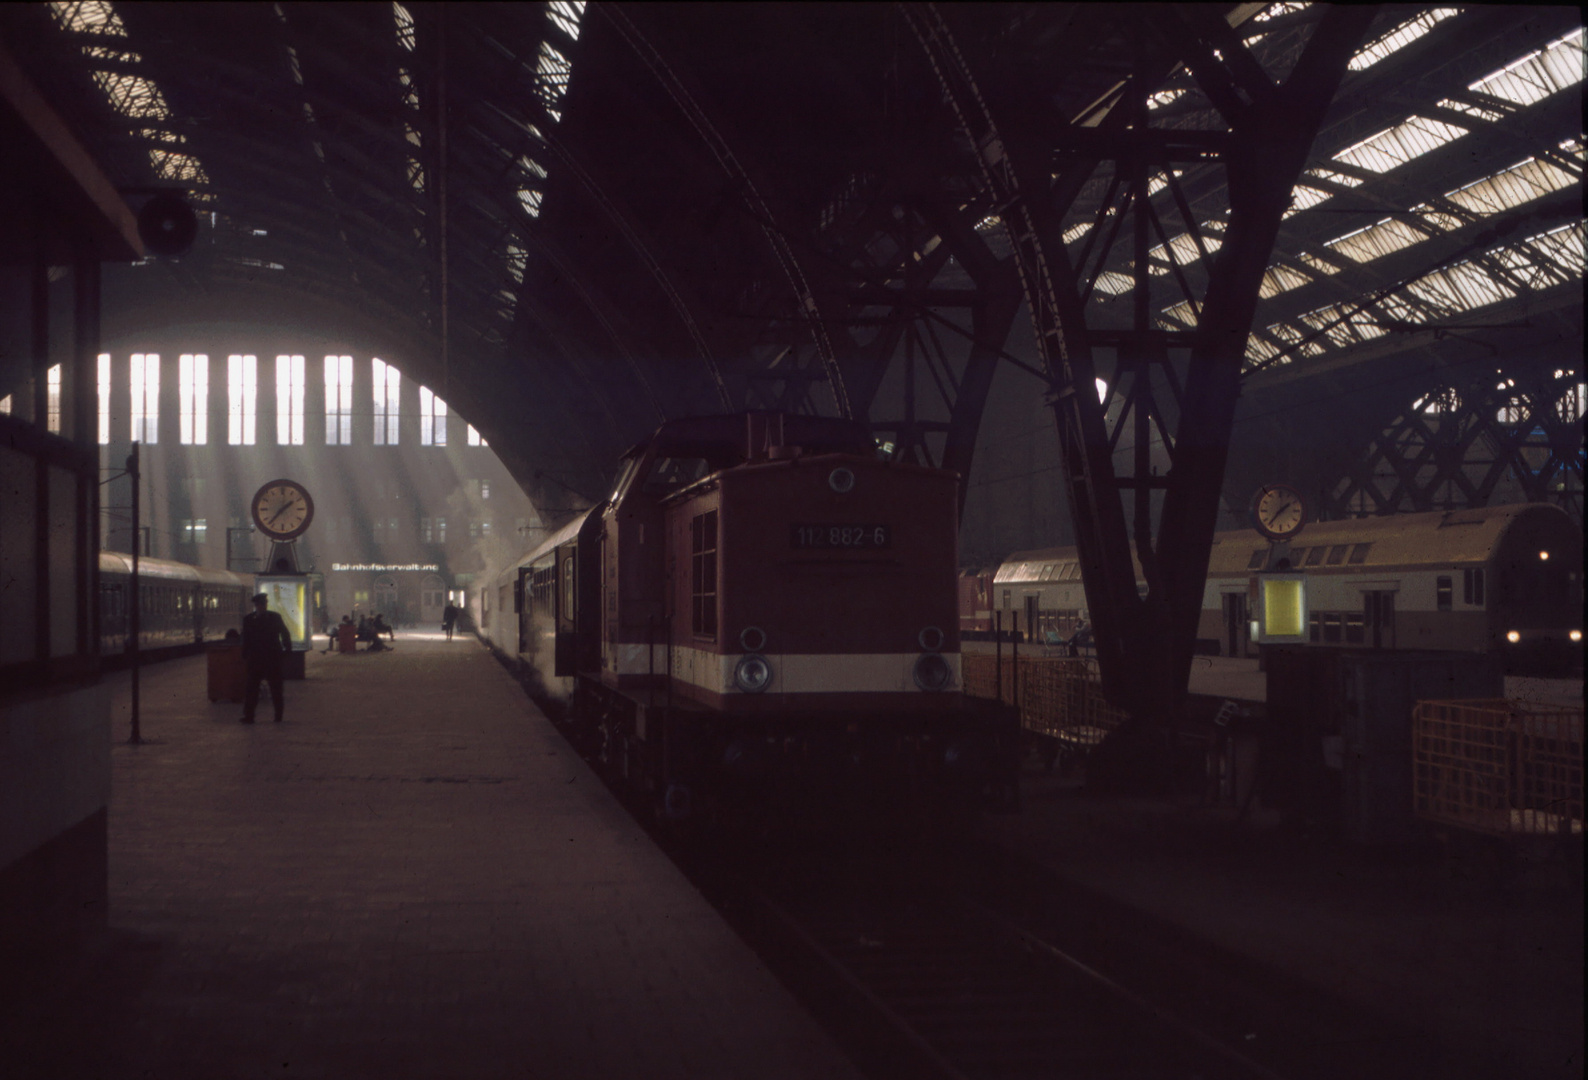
1576 635
753 674
932 672
1513 636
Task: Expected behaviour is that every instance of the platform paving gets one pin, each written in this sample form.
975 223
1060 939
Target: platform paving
412 876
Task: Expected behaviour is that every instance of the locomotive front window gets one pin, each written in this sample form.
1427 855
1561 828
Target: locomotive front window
669 474
1259 557
1337 554
1359 554
703 573
1315 556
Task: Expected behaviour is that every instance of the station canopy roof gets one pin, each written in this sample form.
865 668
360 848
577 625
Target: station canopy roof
580 219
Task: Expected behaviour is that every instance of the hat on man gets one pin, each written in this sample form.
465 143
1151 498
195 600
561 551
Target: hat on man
261 598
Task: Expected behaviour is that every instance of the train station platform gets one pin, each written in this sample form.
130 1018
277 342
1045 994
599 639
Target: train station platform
411 876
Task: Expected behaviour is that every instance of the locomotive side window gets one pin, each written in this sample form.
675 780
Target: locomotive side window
1444 593
1472 586
703 573
1354 634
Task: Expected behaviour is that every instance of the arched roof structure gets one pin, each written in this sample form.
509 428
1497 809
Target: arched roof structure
576 220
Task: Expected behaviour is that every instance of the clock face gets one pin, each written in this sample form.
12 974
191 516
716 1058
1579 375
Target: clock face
1279 512
283 509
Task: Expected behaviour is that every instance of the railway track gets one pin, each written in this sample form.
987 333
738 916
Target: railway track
923 983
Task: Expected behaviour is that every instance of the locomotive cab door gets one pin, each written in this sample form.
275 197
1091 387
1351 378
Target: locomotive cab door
1236 629
565 617
1379 611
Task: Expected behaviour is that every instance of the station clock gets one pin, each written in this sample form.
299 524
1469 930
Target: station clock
283 509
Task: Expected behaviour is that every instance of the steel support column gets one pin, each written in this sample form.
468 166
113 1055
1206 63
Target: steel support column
1145 643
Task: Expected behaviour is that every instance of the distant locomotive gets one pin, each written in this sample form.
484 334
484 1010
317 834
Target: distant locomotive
762 607
1506 580
181 606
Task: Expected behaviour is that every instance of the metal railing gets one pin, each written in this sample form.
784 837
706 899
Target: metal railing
1505 768
1061 697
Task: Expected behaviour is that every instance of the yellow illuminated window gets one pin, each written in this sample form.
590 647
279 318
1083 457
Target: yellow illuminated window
1282 608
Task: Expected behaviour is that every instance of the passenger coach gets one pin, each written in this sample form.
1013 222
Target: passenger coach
1506 580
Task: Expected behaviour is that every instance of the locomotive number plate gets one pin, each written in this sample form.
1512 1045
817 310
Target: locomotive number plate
840 536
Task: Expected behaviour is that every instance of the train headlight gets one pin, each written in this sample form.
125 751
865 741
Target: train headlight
1513 636
1576 635
932 672
841 480
753 674
931 638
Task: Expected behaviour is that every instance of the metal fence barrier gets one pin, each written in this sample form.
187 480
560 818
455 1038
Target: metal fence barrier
1061 697
1504 768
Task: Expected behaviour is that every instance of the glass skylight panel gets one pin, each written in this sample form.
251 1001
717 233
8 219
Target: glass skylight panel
565 16
1185 251
1376 240
515 263
405 26
182 168
339 401
1162 98
1114 284
144 382
1183 314
1303 197
432 419
1460 287
1330 176
388 399
1259 348
91 17
1478 112
474 437
289 400
1278 279
1509 188
1537 75
193 388
52 399
1410 139
1343 325
132 95
1075 232
1400 37
104 399
529 199
1273 11
242 392
552 72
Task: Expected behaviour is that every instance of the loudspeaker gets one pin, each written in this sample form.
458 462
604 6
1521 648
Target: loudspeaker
167 225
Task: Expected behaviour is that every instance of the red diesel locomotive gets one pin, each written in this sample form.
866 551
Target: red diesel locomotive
762 608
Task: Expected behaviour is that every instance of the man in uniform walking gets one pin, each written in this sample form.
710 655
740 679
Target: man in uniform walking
266 643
